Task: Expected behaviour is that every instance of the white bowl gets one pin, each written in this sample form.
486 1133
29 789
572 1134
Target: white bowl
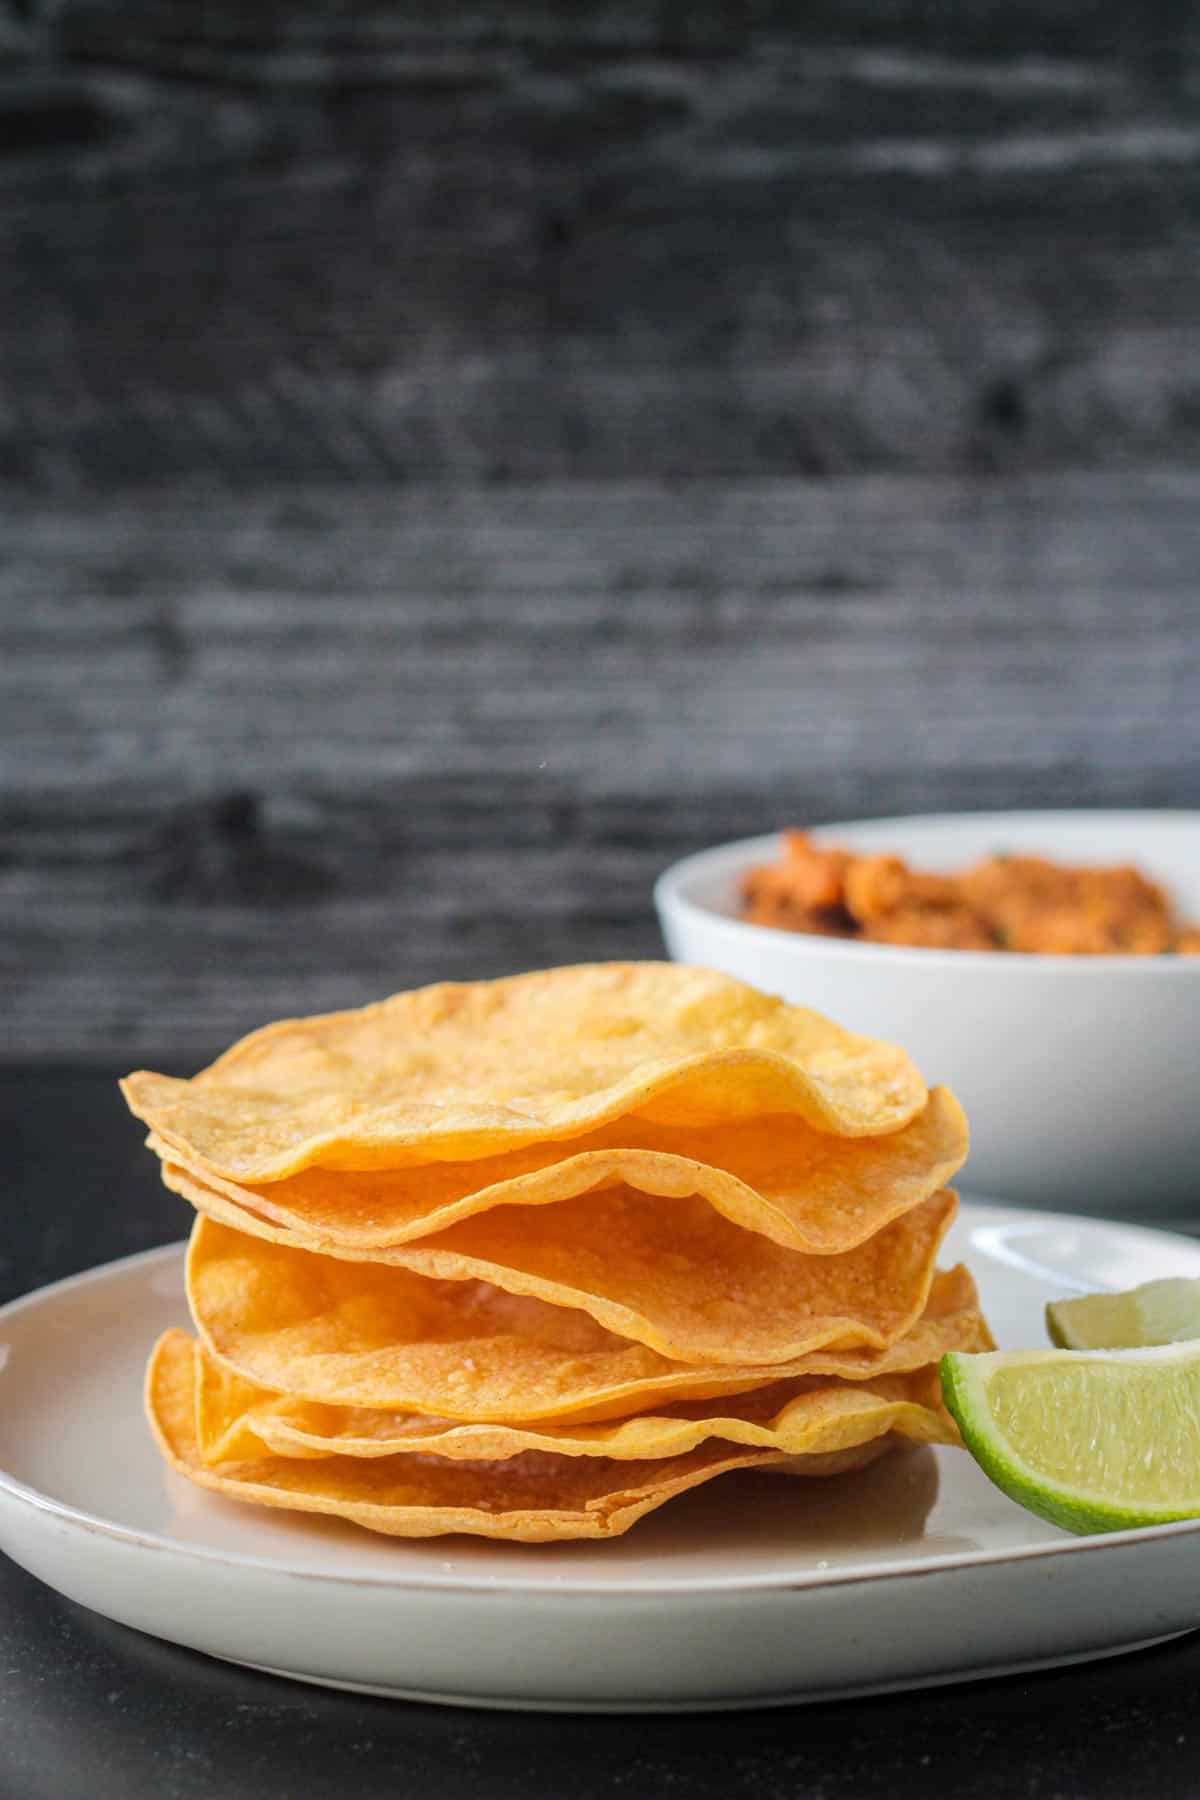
1080 1075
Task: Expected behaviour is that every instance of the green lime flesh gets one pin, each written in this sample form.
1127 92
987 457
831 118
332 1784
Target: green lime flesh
1158 1312
1091 1441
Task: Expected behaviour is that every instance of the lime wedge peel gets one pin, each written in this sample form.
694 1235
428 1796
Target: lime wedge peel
1092 1441
1158 1312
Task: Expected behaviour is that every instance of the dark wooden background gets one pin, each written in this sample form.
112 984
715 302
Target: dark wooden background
454 460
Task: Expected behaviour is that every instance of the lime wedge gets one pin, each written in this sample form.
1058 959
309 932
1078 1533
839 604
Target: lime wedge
1091 1440
1158 1312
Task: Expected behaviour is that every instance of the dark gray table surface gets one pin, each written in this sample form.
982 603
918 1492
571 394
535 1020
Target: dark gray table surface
94 1710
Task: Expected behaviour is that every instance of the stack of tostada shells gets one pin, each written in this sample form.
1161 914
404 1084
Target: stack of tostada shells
526 1258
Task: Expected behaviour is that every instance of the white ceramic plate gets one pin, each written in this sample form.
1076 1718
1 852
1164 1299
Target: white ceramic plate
756 1590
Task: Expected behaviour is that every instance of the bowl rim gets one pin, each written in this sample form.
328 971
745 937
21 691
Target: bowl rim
671 897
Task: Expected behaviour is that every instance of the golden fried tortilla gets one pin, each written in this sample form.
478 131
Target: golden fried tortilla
357 1334
807 1189
236 1420
532 1498
668 1273
464 1071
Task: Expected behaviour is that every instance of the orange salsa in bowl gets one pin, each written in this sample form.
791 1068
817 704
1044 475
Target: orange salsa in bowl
1004 902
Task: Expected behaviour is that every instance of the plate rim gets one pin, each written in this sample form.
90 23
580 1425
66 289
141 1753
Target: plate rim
563 1588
